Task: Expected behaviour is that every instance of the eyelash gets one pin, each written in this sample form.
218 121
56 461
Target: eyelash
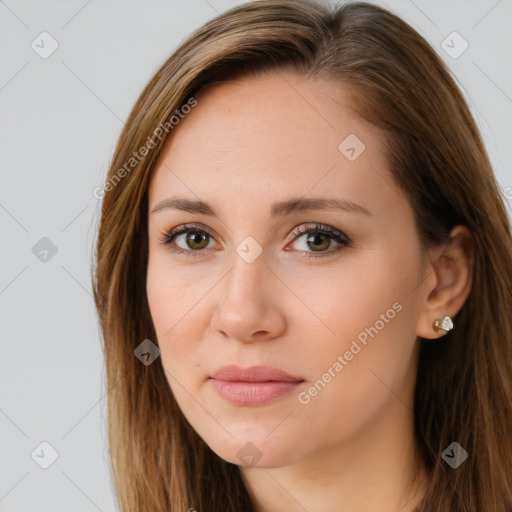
334 234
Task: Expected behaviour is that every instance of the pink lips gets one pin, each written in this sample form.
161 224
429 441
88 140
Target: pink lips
252 386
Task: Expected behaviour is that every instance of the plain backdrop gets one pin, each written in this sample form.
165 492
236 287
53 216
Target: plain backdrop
60 116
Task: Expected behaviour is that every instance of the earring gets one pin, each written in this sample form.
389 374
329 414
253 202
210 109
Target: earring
446 324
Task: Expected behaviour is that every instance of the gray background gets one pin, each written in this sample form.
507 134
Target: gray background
60 118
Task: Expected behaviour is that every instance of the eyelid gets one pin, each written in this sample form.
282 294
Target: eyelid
183 228
315 227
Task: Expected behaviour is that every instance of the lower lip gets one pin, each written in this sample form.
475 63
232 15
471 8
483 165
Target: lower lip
253 393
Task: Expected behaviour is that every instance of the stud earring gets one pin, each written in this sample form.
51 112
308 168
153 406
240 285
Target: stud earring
446 324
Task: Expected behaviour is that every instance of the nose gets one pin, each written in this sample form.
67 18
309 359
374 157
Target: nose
249 308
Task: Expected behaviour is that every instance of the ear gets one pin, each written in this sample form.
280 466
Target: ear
448 282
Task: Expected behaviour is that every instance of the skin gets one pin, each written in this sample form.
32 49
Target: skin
246 145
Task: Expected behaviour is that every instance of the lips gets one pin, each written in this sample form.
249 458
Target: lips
253 374
256 385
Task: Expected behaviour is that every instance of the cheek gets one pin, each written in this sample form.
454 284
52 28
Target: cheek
171 309
175 334
352 382
170 293
371 314
352 300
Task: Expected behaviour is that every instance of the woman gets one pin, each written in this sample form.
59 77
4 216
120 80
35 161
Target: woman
303 276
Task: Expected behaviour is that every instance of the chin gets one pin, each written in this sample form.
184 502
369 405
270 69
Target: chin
256 449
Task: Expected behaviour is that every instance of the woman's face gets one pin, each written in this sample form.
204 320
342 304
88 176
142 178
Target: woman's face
336 308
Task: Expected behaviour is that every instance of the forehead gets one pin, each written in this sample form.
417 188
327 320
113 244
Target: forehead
278 134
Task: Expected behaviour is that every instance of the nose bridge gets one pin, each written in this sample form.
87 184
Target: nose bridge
249 269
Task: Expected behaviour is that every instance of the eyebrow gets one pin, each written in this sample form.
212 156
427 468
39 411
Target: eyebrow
280 209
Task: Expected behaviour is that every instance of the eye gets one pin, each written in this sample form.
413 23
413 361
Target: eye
319 238
191 244
191 240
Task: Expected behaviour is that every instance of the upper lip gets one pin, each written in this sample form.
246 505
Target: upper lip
253 374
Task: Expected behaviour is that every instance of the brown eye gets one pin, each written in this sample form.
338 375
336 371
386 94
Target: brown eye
315 241
196 240
188 240
318 241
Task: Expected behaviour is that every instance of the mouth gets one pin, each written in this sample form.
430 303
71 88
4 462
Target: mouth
252 386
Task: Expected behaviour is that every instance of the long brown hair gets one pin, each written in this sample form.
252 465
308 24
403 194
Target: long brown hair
463 391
